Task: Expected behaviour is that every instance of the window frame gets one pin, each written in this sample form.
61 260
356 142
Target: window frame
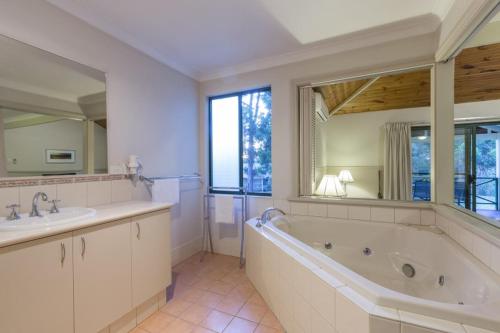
238 94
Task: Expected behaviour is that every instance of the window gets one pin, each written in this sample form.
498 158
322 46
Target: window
240 142
421 163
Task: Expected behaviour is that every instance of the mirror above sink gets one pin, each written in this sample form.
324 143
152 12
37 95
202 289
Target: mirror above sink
52 112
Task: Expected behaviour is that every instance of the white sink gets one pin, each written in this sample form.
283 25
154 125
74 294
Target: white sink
65 215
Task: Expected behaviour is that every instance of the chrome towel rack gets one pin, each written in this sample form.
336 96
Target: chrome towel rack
151 180
207 232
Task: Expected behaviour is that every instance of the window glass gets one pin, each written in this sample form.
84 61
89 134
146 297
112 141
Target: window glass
225 142
256 114
240 142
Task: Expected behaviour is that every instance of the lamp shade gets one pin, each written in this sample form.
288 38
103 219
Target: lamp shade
330 186
345 176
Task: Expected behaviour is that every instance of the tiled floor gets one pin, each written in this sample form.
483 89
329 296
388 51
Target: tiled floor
212 296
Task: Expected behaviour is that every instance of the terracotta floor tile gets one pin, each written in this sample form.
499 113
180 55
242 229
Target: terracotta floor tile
157 322
257 299
138 330
252 312
221 288
176 306
270 320
209 299
216 274
207 295
265 329
217 321
195 313
238 325
179 326
191 295
200 329
230 305
204 283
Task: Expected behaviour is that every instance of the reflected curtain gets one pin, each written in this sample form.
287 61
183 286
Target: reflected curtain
3 158
397 161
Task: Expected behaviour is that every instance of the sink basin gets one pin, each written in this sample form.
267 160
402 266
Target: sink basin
65 215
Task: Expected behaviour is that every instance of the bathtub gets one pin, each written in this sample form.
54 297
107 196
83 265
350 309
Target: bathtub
415 269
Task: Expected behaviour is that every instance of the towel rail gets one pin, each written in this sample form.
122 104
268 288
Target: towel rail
151 180
243 196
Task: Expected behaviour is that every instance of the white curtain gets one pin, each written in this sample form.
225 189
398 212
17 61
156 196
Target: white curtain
3 159
397 161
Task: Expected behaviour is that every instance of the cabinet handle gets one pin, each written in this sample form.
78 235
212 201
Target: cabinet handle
63 253
138 231
83 246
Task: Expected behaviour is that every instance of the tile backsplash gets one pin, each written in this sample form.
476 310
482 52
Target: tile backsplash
83 191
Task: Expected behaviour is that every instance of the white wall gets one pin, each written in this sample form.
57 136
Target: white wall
28 144
152 109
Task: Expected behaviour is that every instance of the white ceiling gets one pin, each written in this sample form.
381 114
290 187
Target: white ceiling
26 68
207 39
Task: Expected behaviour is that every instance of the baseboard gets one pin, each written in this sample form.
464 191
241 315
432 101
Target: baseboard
186 250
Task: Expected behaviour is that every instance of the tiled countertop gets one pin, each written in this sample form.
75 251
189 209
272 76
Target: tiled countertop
106 213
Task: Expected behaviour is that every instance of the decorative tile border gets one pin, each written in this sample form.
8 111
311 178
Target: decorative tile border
52 180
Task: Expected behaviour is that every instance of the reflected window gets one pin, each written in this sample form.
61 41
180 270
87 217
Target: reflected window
372 134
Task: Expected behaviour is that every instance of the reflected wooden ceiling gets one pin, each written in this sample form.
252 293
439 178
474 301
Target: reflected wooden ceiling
477 78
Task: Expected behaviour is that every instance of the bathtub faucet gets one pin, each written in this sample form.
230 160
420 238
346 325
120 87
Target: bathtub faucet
264 218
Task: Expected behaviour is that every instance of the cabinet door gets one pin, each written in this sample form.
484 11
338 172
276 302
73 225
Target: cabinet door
102 265
151 251
36 286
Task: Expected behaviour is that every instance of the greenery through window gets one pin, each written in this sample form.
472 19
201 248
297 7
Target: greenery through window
240 142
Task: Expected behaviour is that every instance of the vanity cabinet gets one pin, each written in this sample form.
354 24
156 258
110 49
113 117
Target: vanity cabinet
82 281
36 286
102 271
151 262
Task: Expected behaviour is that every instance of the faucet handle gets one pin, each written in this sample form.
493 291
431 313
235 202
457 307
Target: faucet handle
13 213
54 208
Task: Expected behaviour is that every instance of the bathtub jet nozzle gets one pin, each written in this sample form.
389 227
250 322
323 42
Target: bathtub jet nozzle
328 245
441 280
408 270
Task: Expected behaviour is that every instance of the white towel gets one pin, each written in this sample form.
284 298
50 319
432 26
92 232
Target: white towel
224 209
166 190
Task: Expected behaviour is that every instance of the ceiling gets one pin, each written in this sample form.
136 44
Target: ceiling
477 78
207 38
399 91
26 68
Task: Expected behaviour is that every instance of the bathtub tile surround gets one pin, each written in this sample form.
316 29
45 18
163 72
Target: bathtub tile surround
484 250
382 214
311 299
359 213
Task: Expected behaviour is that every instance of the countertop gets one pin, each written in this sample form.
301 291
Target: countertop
105 213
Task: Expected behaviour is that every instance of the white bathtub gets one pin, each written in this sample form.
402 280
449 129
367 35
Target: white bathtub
469 294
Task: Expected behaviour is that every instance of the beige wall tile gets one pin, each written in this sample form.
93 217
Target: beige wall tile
98 193
359 213
382 325
121 190
8 196
319 210
382 214
407 215
338 211
72 195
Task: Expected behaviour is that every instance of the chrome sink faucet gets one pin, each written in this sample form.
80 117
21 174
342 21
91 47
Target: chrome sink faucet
34 204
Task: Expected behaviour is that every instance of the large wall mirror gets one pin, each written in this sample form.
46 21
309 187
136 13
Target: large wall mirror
368 137
477 122
53 113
